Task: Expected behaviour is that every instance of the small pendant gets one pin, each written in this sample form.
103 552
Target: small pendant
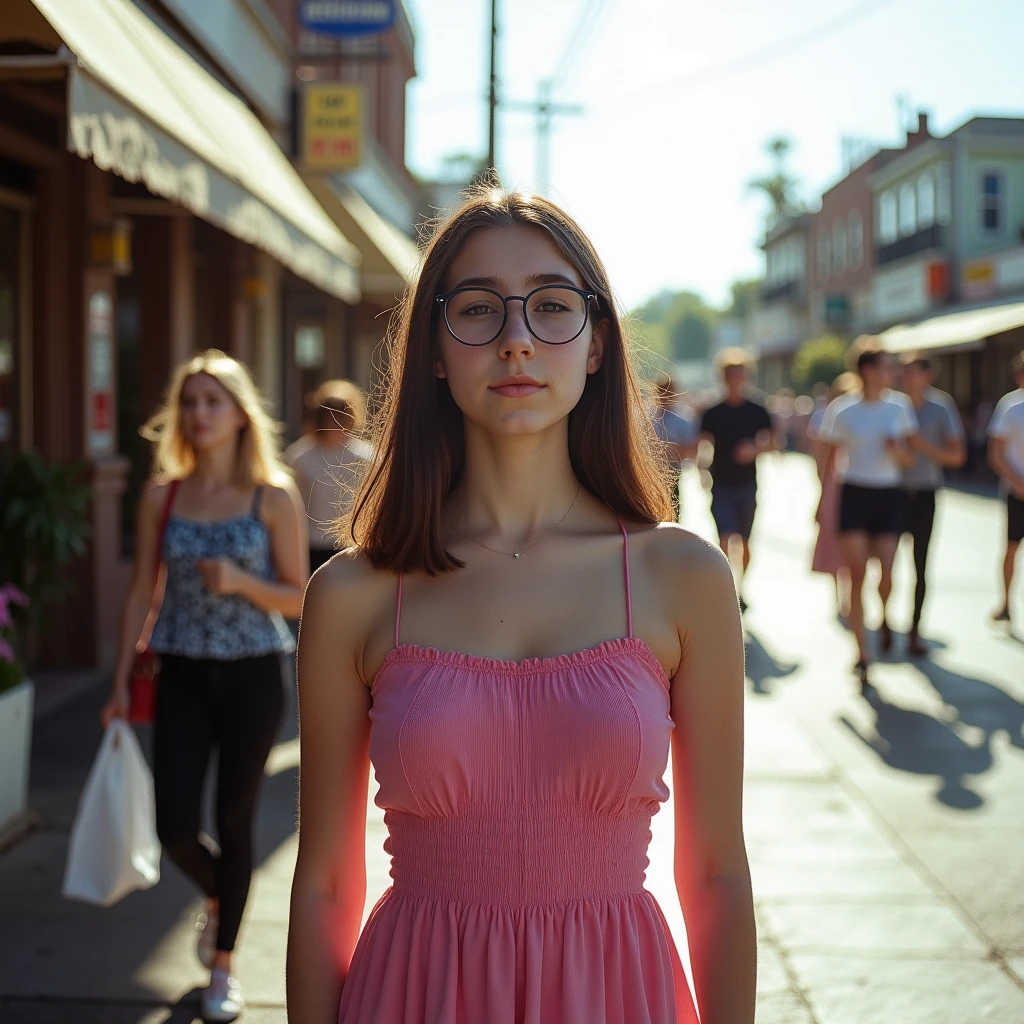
515 554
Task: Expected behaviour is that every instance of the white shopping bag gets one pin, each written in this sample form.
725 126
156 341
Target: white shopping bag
114 848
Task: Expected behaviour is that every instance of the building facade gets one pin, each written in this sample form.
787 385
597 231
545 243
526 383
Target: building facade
779 326
950 256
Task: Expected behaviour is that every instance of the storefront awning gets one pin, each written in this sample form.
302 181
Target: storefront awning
964 330
139 106
390 259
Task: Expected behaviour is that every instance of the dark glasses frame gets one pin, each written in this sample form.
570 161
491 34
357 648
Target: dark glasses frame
587 295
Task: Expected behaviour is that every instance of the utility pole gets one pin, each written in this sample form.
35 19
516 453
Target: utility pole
545 108
493 95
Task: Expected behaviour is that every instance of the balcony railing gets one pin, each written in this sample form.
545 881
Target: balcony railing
785 290
927 238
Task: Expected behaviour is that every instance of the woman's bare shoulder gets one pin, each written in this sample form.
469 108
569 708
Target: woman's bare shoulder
669 550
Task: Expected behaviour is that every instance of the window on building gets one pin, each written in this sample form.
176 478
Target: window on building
839 246
887 217
943 195
908 209
925 200
824 255
855 238
991 206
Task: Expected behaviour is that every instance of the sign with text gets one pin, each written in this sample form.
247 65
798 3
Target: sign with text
346 17
101 374
332 126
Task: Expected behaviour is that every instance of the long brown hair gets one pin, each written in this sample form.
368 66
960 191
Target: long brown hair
420 444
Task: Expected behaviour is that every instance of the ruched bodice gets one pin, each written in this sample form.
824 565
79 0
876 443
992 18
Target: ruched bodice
518 799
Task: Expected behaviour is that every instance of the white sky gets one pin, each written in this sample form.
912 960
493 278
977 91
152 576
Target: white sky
656 169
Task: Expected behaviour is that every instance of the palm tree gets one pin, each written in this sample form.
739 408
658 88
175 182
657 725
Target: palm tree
779 186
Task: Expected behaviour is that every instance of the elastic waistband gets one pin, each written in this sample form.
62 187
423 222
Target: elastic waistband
521 858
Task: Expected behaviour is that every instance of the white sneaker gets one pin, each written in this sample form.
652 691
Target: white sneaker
222 1000
206 925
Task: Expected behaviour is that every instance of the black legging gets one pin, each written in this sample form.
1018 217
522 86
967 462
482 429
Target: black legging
920 517
235 706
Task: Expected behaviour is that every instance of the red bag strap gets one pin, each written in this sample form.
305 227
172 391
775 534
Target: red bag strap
165 514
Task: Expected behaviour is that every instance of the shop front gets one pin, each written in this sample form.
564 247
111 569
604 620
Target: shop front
145 213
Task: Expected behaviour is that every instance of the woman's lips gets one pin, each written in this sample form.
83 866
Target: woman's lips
517 390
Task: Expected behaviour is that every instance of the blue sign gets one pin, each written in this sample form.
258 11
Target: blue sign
347 17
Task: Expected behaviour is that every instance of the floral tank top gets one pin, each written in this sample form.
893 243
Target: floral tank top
198 623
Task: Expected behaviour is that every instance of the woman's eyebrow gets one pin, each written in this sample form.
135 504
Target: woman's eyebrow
532 281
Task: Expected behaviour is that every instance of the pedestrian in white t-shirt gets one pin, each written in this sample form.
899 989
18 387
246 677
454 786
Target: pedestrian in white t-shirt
873 429
1006 457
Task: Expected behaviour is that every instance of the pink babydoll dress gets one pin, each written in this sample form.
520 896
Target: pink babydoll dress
518 799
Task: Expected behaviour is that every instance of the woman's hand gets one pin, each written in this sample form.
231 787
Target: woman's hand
116 707
220 575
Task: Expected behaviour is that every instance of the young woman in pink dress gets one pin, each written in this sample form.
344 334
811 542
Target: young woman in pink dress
513 639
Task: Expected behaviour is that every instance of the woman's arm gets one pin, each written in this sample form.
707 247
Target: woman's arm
711 871
289 549
329 886
139 600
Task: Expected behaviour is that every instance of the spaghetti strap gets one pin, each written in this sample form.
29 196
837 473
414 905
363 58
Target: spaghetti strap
625 572
398 613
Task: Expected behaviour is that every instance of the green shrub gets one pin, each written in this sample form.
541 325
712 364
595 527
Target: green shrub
818 360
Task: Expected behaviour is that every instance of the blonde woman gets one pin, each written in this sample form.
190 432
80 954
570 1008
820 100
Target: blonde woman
235 557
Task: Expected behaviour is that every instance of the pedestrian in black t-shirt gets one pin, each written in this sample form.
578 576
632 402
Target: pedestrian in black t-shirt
740 430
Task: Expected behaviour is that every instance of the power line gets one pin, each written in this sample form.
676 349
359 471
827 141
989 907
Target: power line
579 35
755 58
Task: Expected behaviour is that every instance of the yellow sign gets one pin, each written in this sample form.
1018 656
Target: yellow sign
979 280
332 126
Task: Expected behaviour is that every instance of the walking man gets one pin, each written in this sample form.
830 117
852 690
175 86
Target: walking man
938 443
676 429
874 428
740 429
1006 456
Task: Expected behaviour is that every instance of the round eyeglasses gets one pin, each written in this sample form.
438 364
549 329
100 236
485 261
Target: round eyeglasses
554 313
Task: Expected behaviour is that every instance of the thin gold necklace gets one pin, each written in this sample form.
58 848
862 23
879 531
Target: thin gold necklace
516 554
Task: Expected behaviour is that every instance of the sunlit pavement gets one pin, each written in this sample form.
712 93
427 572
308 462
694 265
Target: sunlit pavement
885 839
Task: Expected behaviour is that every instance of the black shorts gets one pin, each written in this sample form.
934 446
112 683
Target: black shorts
871 510
733 507
1014 519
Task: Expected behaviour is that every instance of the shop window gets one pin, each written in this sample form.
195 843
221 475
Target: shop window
839 247
925 200
824 255
908 210
991 202
855 239
887 218
943 195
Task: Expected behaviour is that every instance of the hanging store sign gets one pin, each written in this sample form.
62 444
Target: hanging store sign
346 17
332 127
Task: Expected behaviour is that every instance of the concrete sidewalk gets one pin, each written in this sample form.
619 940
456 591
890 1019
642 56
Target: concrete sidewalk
884 835
884 838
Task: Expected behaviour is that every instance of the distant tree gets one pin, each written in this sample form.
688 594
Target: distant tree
818 360
690 336
746 296
779 187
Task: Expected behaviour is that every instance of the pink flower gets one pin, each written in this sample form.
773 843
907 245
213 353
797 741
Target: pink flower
13 595
6 651
10 594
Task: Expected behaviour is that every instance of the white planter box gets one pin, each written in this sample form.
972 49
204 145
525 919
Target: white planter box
15 747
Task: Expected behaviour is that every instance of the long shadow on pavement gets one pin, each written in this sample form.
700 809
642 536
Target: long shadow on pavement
913 741
761 665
